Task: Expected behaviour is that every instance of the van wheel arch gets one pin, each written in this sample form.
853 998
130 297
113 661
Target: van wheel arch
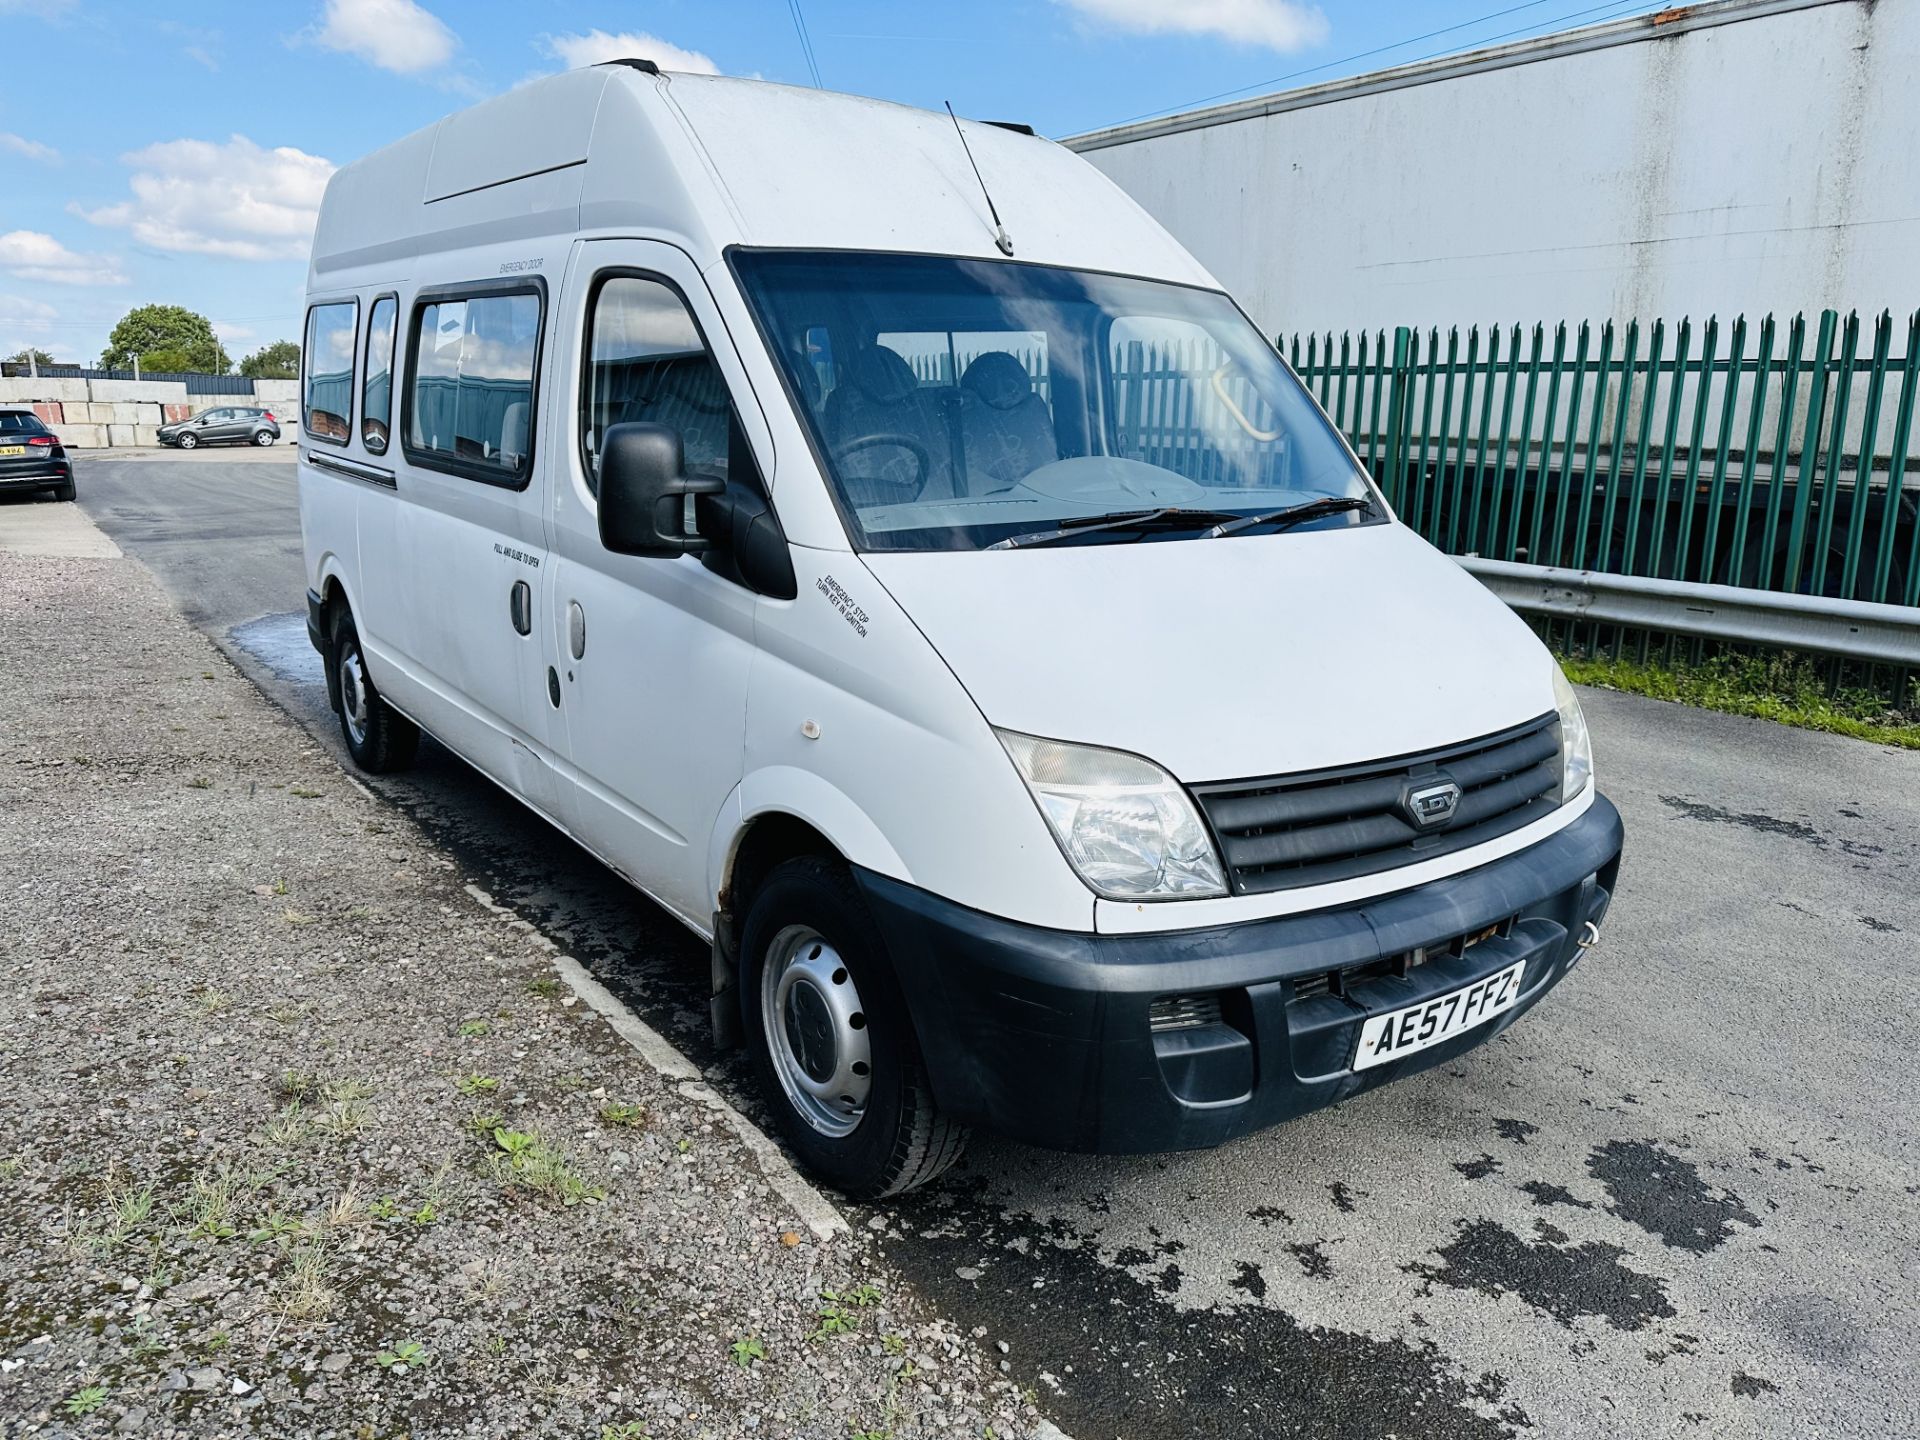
333 601
764 844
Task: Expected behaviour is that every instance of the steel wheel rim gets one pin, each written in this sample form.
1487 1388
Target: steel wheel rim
816 1029
353 694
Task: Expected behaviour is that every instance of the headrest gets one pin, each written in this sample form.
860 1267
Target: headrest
999 379
883 375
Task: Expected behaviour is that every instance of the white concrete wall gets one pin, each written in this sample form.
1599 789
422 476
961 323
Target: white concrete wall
1771 162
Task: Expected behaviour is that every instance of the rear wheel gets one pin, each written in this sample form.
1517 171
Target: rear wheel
263 437
64 491
379 738
831 1037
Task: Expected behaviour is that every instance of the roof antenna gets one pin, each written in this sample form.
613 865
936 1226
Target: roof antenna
1000 236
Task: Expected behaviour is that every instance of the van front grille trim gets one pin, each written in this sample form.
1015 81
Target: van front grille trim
1285 832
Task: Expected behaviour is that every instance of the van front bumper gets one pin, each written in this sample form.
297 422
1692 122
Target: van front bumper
1045 1036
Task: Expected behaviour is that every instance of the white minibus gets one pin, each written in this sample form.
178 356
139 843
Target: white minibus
875 538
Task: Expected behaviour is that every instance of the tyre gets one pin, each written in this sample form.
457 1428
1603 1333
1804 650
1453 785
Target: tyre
380 739
63 492
831 1038
187 442
263 437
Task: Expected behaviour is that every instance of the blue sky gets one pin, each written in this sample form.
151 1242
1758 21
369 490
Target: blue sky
176 153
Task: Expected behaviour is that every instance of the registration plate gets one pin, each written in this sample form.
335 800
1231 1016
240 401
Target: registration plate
1403 1032
13 449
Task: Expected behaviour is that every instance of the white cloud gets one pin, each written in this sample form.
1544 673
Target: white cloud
235 200
1275 24
32 149
574 51
396 35
33 317
32 255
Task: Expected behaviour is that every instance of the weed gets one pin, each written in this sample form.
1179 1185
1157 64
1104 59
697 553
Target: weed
348 1089
385 1208
212 1001
615 1112
476 1084
524 1159
309 1294
545 986
895 1345
12 1167
275 1226
625 1430
296 917
683 1145
487 1284
85 1402
482 1124
567 1084
495 1345
286 1129
144 1340
212 1203
746 1350
346 1209
200 782
130 1208
344 1119
469 1029
288 1015
410 1354
279 887
302 793
216 1342
297 1086
835 1318
863 1296
426 1214
360 912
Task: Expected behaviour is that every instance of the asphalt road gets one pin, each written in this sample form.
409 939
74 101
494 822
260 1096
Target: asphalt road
1681 1197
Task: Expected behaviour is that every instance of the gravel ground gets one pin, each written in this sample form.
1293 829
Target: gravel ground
299 1137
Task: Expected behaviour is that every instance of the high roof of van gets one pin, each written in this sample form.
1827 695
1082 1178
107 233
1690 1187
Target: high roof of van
709 161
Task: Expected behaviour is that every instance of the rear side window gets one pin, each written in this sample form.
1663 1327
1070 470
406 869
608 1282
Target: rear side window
327 396
471 379
20 422
376 396
646 363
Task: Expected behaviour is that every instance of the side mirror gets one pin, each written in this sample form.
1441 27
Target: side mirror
643 493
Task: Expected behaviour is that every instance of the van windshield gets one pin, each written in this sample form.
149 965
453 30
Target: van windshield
960 404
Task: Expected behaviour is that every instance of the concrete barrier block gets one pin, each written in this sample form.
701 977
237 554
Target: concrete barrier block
174 414
151 412
162 391
51 412
84 437
120 435
148 435
25 390
125 412
276 392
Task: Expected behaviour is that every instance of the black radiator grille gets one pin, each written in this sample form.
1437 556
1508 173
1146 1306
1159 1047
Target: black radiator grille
1287 831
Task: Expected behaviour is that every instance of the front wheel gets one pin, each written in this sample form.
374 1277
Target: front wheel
379 738
831 1037
187 442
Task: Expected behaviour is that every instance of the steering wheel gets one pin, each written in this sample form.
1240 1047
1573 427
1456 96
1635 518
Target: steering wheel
909 489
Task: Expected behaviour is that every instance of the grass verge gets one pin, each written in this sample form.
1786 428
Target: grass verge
1786 688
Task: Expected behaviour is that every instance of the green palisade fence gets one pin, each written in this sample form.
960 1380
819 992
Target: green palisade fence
1776 457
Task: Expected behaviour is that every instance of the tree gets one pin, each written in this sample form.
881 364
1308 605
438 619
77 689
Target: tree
32 355
172 332
166 362
278 361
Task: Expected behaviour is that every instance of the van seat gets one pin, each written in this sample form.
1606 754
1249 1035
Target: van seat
1006 426
882 396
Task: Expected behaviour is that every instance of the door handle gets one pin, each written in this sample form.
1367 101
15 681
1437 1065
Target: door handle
520 607
576 629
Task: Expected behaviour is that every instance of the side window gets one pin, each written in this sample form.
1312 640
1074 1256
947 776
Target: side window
471 404
647 363
376 395
327 396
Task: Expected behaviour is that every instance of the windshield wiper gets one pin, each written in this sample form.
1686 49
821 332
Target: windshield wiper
1167 517
1293 514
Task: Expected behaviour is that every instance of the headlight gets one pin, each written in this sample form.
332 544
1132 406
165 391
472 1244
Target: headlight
1576 746
1123 822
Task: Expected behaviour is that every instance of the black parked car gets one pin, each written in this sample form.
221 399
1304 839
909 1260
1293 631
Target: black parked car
31 455
229 425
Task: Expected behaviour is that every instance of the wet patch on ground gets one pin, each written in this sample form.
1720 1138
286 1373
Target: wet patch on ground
1751 1385
1545 1192
1477 1169
280 643
1765 824
1515 1130
1558 1278
1665 1196
1111 1358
